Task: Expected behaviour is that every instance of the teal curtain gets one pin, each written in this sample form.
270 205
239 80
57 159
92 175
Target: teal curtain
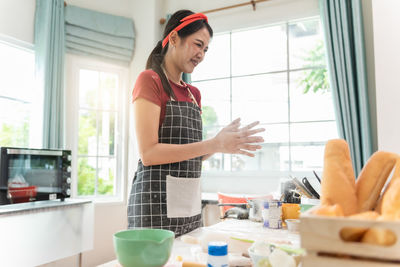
49 67
99 35
344 39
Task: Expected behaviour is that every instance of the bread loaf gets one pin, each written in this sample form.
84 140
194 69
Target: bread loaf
378 236
338 179
372 178
354 234
328 210
391 202
395 176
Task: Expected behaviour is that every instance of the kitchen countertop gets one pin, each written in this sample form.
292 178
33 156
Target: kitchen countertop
45 204
245 229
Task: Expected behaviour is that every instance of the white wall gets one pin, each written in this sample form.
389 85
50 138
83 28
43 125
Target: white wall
17 19
243 17
387 72
370 60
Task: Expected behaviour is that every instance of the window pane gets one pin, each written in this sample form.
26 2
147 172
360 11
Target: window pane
274 154
88 87
260 98
87 143
106 174
275 157
18 97
14 126
307 157
17 68
217 162
275 133
313 104
215 102
313 131
216 63
108 91
306 44
260 50
107 128
98 117
86 175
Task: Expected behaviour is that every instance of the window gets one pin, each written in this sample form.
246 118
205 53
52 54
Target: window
99 124
275 74
20 108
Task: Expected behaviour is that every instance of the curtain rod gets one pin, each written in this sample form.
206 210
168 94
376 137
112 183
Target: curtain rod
252 2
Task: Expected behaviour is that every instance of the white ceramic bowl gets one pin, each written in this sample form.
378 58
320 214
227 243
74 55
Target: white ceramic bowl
293 225
258 260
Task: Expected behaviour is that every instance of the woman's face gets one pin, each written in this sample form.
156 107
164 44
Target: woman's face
189 52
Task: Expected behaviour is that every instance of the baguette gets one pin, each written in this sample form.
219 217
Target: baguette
395 176
338 179
391 202
372 178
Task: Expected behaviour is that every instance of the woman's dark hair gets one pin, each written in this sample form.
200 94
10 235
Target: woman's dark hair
157 55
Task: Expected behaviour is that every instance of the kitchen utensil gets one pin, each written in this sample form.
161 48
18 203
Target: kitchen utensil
237 213
310 188
289 193
301 188
143 247
316 176
239 205
256 207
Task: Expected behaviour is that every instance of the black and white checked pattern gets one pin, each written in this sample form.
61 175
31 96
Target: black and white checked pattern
147 207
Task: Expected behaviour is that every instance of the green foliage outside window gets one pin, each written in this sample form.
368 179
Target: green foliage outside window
316 79
14 135
87 180
86 172
209 118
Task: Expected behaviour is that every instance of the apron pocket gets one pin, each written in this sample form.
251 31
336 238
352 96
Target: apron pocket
183 197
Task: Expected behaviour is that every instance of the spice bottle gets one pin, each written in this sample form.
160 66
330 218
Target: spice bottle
217 254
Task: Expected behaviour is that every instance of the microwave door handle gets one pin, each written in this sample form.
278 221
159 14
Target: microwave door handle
12 151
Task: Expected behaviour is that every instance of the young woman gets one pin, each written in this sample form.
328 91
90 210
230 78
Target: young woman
166 188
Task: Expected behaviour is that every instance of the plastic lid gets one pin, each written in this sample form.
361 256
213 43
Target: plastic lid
217 248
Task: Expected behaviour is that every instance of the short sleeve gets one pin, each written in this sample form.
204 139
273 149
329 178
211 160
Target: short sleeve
148 86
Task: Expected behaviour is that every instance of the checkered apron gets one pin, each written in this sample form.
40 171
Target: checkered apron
147 205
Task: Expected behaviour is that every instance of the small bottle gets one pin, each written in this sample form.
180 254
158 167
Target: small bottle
217 254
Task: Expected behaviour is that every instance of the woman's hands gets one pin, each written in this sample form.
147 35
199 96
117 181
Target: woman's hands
234 140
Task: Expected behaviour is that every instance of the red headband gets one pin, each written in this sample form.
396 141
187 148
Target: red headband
185 21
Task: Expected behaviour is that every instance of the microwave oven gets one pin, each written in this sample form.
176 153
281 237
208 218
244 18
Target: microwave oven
34 174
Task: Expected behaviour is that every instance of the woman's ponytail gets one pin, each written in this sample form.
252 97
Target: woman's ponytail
156 51
155 62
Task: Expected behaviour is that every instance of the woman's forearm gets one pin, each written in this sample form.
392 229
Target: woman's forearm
169 153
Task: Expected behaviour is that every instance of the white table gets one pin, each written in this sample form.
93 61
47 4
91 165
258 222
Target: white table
226 229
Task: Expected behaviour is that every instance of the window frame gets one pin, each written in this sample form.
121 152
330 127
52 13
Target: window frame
211 181
74 64
35 140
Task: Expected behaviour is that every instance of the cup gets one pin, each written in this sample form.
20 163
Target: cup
290 211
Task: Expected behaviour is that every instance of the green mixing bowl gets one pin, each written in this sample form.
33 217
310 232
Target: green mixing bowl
143 247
